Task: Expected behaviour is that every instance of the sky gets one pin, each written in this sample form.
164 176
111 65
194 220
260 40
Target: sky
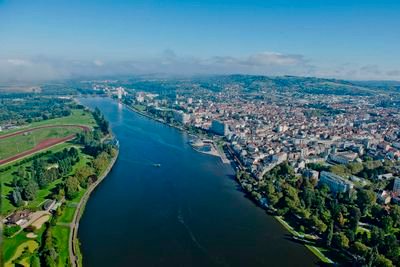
57 39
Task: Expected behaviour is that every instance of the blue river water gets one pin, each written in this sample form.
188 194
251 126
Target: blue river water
187 212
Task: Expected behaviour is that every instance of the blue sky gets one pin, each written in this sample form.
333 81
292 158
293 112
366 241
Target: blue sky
57 38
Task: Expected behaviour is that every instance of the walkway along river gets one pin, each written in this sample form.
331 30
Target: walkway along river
189 211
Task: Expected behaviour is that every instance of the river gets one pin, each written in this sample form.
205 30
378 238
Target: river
188 212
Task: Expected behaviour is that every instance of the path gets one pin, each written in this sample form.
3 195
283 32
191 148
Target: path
78 212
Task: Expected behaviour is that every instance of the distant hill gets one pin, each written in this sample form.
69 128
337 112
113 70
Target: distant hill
297 84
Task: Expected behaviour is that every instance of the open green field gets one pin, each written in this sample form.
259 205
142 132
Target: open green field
61 234
23 142
67 215
23 251
10 245
78 116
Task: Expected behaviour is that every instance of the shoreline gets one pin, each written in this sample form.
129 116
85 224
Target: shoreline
218 153
73 245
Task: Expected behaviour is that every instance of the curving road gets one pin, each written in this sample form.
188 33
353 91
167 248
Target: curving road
42 145
78 212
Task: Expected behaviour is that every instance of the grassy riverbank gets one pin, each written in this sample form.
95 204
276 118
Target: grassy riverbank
315 250
75 254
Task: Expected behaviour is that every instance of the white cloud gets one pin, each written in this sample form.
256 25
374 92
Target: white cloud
98 63
19 62
168 62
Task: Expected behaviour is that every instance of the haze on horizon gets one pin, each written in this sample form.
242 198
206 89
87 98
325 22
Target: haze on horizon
353 39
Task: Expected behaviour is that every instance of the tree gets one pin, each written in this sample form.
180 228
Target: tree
377 236
82 175
49 255
365 199
272 196
16 197
382 261
100 162
11 230
377 211
340 219
37 168
30 190
360 249
64 166
371 256
355 167
354 217
390 247
308 197
395 214
387 223
319 225
329 236
340 240
71 187
21 172
339 170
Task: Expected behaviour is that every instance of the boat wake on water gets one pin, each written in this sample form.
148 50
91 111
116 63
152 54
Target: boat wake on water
192 236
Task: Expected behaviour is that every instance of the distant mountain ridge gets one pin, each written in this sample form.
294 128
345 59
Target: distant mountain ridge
311 85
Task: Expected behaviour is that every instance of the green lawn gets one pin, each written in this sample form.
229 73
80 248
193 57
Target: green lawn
139 107
317 251
78 116
61 234
20 143
67 215
10 245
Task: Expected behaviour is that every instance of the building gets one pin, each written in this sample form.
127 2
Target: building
343 158
336 183
219 128
383 197
120 92
396 186
181 116
140 97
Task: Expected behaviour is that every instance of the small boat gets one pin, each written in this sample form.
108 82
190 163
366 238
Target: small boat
156 165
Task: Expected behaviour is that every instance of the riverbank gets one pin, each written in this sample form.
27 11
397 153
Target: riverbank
215 152
317 252
73 244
